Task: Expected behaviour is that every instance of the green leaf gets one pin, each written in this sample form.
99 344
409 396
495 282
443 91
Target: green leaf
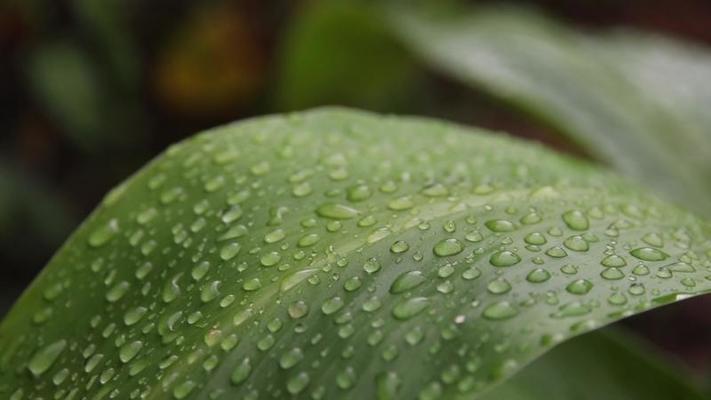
635 100
337 253
606 364
66 83
337 53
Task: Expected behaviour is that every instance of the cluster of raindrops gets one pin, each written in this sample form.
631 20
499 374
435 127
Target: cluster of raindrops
308 257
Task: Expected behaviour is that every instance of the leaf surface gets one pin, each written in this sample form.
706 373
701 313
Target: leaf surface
342 254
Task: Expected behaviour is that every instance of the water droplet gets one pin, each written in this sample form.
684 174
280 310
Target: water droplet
117 292
274 236
612 273
297 383
371 266
500 310
680 267
210 291
499 286
448 247
406 281
229 251
401 203
579 286
291 358
500 225
617 299
234 232
260 168
538 275
270 259
182 390
387 385
129 350
535 238
399 247
171 290
298 309
134 315
613 260
556 252
372 304
332 305
346 378
649 254
241 372
231 215
653 239
46 357
474 237
104 234
336 211
301 189
358 193
471 273
531 218
576 243
352 284
576 220
252 284
504 258
200 270
308 240
410 307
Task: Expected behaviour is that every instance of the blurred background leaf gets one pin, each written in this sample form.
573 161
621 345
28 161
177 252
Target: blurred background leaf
606 364
635 101
336 53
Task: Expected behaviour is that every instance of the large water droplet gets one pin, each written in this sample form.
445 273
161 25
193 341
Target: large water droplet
291 358
46 357
504 258
576 220
579 286
448 247
336 211
129 350
104 233
500 310
241 372
500 225
410 307
406 281
649 254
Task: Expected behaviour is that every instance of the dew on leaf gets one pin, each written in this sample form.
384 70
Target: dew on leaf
504 258
44 358
448 247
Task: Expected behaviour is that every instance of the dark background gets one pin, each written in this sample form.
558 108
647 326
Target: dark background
90 90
